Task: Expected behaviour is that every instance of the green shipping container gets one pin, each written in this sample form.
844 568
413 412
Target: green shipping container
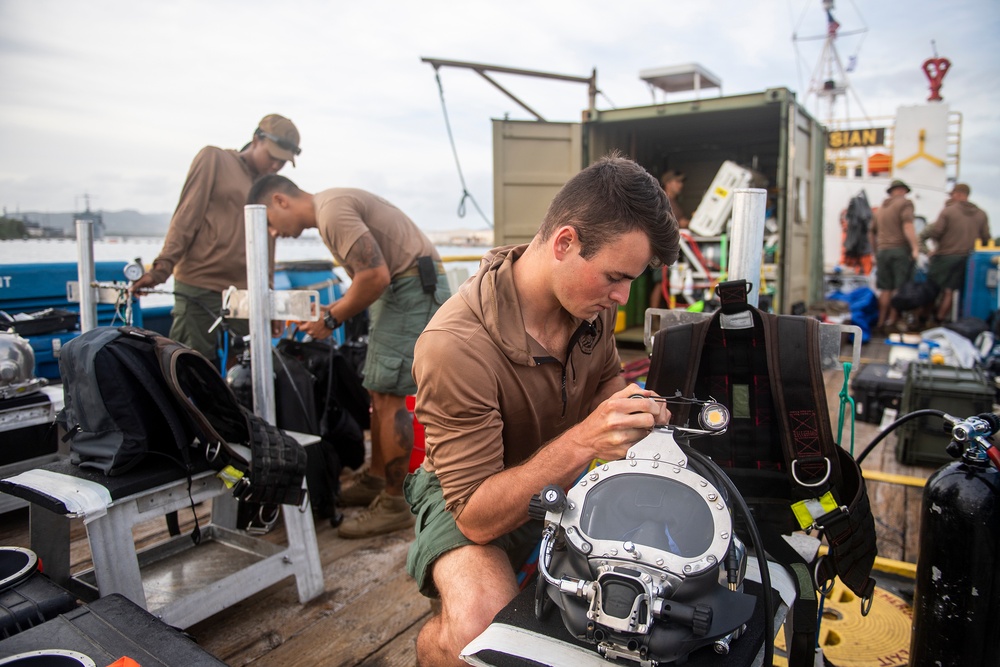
960 392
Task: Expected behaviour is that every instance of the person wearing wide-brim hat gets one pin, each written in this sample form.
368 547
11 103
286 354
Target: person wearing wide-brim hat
897 184
896 250
205 246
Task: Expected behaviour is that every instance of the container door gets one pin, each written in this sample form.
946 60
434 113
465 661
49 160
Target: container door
801 242
531 162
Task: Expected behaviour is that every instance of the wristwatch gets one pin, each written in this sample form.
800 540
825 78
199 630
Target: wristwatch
330 321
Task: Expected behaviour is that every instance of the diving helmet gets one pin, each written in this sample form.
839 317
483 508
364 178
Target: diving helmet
17 365
640 555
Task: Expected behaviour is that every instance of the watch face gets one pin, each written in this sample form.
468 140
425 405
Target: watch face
329 321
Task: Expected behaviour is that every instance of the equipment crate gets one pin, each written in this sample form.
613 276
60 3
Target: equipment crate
875 388
961 392
712 214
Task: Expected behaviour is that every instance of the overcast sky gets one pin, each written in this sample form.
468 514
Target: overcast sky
115 97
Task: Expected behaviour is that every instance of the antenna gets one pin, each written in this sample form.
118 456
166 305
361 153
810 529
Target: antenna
829 82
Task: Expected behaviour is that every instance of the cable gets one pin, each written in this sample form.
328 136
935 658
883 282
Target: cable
465 190
891 427
758 544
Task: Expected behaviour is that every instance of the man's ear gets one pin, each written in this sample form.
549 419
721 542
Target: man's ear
563 240
280 200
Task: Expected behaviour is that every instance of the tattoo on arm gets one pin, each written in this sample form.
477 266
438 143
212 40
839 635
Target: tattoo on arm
364 254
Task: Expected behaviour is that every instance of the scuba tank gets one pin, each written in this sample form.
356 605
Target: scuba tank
957 598
240 380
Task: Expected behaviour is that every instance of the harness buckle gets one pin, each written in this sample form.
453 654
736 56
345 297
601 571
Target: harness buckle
832 518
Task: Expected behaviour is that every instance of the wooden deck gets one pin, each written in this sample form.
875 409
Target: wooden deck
371 611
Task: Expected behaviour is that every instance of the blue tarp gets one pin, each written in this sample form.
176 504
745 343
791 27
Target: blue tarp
863 303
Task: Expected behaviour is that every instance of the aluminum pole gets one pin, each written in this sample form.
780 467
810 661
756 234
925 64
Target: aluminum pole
260 312
85 273
747 238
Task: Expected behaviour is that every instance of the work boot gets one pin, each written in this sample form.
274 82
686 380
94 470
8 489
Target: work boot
362 492
385 514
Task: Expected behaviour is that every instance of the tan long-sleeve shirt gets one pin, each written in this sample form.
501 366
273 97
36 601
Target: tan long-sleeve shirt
205 245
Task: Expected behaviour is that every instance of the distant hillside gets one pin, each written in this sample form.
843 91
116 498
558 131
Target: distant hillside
116 223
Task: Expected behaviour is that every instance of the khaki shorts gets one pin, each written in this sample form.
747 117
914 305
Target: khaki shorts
398 317
437 532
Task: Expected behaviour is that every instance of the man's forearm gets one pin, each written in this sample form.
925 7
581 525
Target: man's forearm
500 504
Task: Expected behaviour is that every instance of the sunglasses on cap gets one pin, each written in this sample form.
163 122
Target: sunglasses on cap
281 141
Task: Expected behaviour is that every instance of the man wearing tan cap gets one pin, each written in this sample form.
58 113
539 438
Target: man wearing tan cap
205 246
896 249
958 226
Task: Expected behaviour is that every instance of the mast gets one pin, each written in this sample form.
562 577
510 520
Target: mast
829 82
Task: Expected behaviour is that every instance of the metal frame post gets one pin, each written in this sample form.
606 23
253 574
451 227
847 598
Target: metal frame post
747 238
258 286
85 273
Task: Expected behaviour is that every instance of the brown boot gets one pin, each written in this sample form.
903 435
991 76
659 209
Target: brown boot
362 492
385 515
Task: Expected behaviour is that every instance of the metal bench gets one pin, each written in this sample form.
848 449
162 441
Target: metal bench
111 506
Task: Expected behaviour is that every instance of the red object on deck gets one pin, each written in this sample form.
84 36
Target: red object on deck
419 446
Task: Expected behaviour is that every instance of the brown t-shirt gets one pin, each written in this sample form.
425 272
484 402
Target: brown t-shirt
343 215
887 224
957 228
205 245
488 395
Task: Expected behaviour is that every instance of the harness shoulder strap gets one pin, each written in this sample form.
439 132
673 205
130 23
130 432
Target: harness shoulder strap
673 365
816 464
792 345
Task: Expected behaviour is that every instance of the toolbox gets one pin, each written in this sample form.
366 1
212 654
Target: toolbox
960 392
875 388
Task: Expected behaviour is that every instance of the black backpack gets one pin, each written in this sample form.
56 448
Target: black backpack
130 393
117 405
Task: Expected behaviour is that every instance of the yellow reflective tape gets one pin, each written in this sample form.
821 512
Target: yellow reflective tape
229 476
807 511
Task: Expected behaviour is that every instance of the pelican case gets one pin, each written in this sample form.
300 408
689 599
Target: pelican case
104 631
961 392
27 597
875 388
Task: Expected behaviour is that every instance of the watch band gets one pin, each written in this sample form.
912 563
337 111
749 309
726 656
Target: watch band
330 321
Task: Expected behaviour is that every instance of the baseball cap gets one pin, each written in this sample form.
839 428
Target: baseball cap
961 187
281 137
897 184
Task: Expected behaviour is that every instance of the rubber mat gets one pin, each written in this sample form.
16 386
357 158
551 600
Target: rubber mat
848 639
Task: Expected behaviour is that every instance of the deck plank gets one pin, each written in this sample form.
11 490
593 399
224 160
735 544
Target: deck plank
263 623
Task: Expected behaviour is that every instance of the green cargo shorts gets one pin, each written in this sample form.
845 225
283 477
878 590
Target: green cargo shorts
947 271
195 311
398 317
437 532
895 266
